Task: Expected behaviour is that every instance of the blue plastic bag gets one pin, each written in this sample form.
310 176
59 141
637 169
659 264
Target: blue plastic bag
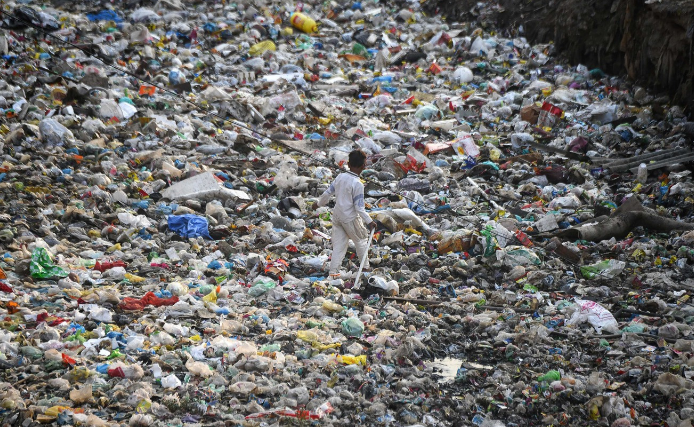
189 226
105 15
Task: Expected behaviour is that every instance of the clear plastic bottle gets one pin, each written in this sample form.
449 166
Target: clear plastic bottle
642 173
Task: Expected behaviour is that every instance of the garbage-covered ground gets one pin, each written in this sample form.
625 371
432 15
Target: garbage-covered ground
162 266
649 40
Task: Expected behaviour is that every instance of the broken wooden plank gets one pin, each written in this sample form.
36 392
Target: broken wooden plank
634 162
569 154
667 162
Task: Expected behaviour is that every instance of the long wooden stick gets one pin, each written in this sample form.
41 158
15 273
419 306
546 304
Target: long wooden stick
363 259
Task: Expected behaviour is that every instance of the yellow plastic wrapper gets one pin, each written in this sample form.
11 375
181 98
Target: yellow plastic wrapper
133 278
352 360
54 411
211 297
262 47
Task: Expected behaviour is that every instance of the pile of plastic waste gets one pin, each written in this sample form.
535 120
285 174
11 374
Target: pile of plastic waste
161 265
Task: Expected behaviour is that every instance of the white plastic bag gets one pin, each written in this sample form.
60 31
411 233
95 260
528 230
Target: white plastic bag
138 221
465 146
566 202
198 368
101 314
462 75
597 315
53 133
127 109
387 137
109 109
170 381
390 286
479 47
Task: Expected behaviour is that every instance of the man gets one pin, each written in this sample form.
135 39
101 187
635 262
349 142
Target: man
350 220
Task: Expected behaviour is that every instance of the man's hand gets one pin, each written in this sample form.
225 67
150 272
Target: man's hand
314 206
372 226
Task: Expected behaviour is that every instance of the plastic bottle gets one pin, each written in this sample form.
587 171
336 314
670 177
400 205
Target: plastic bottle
523 238
642 173
303 23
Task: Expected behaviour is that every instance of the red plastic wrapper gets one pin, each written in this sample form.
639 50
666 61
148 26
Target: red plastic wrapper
523 238
106 265
116 372
319 413
149 299
549 115
410 164
67 359
49 319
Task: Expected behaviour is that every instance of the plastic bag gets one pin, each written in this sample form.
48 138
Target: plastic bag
370 145
518 140
457 241
110 109
669 384
143 14
105 15
128 110
288 100
427 112
189 226
352 360
53 133
352 327
101 314
242 387
260 287
137 221
479 47
465 146
386 137
568 202
42 267
170 381
149 299
550 376
518 255
211 297
462 75
81 395
607 269
597 315
546 223
391 287
199 368
262 47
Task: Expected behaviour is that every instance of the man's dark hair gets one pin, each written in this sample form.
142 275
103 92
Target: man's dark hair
357 158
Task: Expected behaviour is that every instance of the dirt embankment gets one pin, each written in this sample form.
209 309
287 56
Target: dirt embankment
651 43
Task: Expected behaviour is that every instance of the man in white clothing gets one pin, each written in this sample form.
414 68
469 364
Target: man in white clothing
349 215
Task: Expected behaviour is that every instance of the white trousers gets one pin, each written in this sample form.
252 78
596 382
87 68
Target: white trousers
343 232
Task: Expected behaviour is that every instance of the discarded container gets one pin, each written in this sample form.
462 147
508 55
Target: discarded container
303 22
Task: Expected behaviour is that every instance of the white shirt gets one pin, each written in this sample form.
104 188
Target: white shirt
349 198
